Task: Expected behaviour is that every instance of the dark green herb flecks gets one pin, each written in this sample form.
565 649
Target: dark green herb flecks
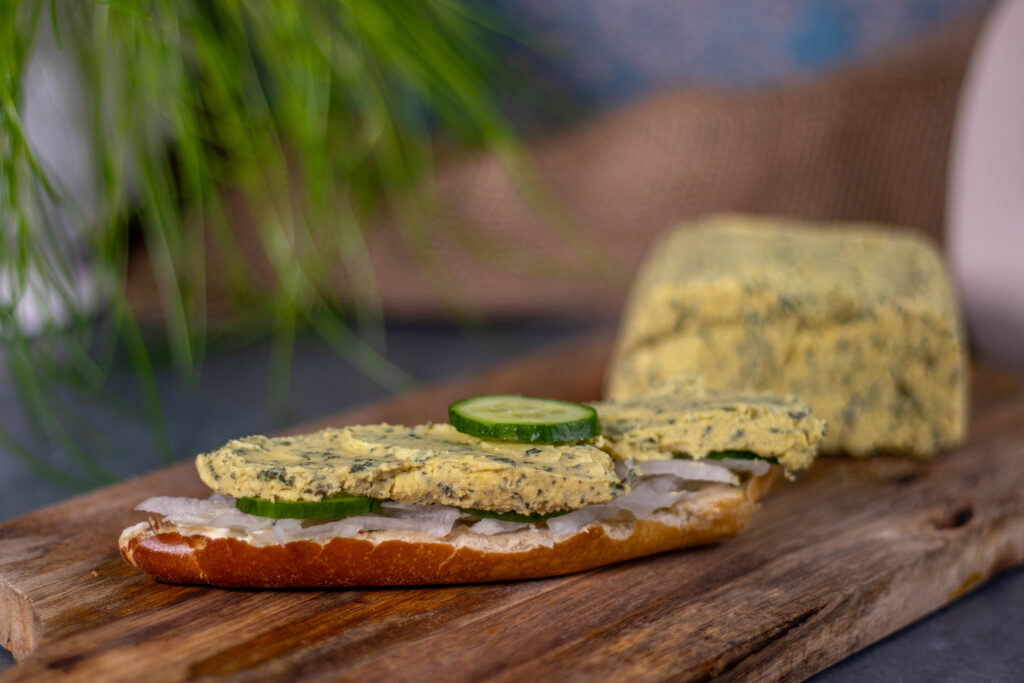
438 467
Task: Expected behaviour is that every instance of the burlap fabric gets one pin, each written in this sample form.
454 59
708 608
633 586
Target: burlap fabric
869 143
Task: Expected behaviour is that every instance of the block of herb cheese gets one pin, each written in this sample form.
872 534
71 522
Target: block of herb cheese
425 464
679 417
858 321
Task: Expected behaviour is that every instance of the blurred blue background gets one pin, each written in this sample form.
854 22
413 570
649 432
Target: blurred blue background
598 53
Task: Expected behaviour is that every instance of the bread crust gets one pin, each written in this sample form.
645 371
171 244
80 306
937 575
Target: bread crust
171 557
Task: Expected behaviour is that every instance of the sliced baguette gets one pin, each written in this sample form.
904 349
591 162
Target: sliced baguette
391 558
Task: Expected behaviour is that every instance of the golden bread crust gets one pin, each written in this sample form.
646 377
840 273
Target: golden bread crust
352 561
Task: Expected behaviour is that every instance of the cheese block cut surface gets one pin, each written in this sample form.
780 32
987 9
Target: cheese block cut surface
859 322
681 417
426 464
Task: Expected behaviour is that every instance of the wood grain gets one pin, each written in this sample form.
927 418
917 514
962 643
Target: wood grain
852 552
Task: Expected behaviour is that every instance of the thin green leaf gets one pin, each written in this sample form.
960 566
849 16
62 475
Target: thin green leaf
140 360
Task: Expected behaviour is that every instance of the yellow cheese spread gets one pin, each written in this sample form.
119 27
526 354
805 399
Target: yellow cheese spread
680 417
859 322
425 464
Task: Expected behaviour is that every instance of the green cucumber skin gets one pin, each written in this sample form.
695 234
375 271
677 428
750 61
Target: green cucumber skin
527 433
313 509
477 407
524 432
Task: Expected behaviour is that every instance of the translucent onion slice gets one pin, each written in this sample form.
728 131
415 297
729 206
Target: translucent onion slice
648 495
693 470
286 529
569 524
169 505
488 526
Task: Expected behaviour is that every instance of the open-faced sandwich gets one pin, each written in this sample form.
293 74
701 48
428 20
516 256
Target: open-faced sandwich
513 488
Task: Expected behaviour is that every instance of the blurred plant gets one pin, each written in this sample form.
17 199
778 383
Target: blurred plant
318 113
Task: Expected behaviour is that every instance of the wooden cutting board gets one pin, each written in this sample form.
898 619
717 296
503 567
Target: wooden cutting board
852 552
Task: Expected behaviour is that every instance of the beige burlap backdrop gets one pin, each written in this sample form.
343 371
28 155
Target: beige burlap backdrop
868 143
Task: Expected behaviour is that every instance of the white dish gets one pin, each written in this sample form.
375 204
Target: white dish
985 210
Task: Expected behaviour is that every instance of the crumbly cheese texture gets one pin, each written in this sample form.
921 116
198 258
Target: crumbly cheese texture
425 464
859 322
681 417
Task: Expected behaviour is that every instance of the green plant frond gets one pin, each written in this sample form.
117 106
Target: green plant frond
361 279
363 355
57 267
123 6
15 132
54 26
37 398
311 120
159 221
281 349
143 367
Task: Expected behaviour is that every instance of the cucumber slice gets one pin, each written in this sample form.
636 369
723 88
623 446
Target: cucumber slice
334 507
514 516
524 418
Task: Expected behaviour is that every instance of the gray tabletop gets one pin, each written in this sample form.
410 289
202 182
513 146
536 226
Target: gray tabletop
978 638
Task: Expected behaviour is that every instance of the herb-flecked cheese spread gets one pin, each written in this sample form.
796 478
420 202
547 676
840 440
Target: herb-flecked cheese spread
859 322
425 464
680 417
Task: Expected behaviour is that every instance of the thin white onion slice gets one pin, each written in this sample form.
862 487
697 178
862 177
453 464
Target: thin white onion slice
693 470
567 525
170 505
488 526
285 529
648 495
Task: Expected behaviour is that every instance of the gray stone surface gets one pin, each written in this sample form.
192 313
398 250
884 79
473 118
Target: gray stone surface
979 638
